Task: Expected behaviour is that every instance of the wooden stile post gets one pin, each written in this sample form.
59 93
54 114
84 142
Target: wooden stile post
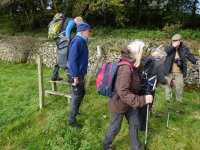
40 82
199 71
99 56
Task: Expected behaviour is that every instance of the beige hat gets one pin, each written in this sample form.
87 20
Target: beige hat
176 37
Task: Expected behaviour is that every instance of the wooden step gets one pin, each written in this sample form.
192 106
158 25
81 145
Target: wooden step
47 92
61 82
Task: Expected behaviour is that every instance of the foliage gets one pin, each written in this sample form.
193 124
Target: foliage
24 126
170 30
36 14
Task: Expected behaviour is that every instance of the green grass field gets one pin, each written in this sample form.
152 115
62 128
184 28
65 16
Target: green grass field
24 126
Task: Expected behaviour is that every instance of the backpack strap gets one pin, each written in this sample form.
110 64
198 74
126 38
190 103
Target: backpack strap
123 62
120 63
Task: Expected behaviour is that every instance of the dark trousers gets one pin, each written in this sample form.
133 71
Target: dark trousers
143 113
55 74
115 125
143 116
77 95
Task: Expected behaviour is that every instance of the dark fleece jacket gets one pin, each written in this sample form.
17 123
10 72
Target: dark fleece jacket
184 54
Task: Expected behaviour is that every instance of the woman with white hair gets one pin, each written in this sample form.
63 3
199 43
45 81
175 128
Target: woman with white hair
126 99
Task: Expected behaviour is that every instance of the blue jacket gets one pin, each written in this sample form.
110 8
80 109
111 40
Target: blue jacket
184 54
71 24
77 57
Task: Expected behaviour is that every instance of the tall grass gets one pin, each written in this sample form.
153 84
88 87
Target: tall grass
24 126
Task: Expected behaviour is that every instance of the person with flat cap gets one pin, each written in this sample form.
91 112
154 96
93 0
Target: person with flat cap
176 67
77 70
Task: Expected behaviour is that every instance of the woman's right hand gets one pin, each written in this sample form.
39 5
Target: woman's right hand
148 99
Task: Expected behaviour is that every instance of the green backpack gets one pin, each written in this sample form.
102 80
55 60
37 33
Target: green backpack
55 26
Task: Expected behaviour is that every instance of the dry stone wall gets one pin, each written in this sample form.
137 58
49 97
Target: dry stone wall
26 49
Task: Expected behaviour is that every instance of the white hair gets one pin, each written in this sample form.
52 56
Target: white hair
78 20
136 50
159 52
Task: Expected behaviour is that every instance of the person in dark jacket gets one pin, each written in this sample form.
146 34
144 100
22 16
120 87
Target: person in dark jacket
68 26
126 100
78 64
176 67
154 68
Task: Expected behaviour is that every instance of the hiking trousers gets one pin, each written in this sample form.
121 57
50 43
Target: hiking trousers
55 74
178 77
77 95
115 125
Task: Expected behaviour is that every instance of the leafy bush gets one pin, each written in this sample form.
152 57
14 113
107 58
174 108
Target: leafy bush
170 30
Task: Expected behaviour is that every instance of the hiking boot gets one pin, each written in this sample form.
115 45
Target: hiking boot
181 102
78 113
106 147
57 79
142 128
76 125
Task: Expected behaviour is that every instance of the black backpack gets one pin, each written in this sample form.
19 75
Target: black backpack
147 81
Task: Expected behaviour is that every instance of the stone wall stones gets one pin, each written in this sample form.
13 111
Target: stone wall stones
26 49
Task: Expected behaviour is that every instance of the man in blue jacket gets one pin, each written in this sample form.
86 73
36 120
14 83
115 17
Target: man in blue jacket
176 67
77 70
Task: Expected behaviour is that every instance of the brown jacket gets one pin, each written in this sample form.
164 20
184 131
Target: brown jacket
127 89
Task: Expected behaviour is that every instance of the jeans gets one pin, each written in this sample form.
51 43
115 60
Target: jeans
77 95
115 125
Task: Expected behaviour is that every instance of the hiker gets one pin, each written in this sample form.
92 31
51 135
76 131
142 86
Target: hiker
67 27
77 70
176 67
155 67
126 100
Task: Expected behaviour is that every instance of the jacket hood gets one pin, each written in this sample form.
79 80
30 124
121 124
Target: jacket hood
126 55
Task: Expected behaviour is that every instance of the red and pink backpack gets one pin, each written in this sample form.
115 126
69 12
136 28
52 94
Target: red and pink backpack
106 75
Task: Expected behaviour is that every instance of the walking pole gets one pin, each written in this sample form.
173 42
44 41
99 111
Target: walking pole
168 111
147 118
146 128
199 78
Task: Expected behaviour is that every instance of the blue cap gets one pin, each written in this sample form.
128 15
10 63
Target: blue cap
83 26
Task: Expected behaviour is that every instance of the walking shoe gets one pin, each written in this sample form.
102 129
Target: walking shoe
76 125
57 79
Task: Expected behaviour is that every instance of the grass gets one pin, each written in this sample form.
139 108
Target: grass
155 34
24 126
